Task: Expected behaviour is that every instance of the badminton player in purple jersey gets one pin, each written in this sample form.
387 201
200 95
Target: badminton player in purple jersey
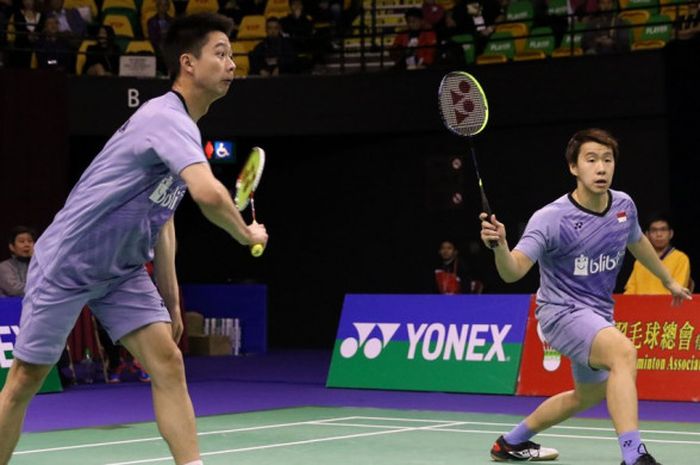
580 241
120 216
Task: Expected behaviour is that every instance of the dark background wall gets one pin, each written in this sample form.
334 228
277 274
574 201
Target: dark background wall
357 189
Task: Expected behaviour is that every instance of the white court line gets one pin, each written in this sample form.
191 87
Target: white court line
159 438
293 443
567 436
582 428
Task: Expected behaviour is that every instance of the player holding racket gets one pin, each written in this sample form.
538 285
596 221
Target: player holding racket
579 241
120 216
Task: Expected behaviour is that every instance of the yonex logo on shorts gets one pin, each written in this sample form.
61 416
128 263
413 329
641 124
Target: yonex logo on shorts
371 347
583 266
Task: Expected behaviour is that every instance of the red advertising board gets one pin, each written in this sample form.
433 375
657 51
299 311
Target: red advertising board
668 350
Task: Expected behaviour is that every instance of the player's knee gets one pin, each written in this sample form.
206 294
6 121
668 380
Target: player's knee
626 355
24 382
169 365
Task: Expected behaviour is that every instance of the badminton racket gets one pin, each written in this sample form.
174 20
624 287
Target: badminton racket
465 112
247 182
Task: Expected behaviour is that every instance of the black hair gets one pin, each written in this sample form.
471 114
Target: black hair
17 230
414 13
658 216
188 34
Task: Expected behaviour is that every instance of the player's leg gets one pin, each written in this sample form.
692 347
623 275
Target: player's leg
613 351
571 333
153 345
48 315
133 313
23 381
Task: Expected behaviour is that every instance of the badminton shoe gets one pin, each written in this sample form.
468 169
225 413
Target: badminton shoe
523 452
645 458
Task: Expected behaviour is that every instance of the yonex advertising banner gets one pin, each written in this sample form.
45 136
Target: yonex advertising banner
10 311
454 343
668 350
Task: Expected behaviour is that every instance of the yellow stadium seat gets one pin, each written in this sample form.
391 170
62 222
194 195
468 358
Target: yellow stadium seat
252 27
529 55
201 6
636 18
673 11
81 58
123 4
278 8
240 57
78 4
120 24
517 30
140 46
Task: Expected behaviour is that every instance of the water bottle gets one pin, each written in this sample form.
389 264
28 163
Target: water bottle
88 367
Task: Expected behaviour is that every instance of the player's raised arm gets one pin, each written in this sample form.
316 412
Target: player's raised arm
511 265
217 206
647 256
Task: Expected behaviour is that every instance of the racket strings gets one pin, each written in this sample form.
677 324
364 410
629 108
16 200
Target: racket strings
462 104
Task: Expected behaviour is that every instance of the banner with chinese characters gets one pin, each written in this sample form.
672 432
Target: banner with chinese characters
668 350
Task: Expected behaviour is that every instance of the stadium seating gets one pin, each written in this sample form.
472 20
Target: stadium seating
538 46
499 49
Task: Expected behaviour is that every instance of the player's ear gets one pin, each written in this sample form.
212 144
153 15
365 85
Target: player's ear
573 169
670 234
186 62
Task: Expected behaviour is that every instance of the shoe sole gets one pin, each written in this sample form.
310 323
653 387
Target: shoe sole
539 459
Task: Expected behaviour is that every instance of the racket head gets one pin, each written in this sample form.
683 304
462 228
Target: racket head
463 105
249 177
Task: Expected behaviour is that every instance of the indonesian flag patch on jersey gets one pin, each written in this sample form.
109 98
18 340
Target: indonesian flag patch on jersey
621 217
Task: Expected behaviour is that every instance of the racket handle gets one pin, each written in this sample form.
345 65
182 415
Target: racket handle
257 250
486 208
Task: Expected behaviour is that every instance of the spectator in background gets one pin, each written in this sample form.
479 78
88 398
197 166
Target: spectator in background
434 16
452 275
70 23
159 24
102 59
5 13
274 55
415 47
53 50
689 24
13 271
27 23
298 26
605 33
474 17
660 232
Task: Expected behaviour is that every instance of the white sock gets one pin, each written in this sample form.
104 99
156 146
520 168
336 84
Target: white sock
196 462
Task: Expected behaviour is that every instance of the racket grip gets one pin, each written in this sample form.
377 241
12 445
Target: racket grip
257 250
487 209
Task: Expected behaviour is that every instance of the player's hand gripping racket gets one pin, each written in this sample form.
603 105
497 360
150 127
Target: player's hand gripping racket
465 111
247 182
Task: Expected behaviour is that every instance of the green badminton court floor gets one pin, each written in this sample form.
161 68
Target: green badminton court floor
346 436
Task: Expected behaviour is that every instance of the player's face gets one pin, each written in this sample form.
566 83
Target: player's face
594 167
23 246
660 234
447 251
213 69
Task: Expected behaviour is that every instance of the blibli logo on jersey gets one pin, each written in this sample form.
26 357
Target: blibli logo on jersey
583 266
166 197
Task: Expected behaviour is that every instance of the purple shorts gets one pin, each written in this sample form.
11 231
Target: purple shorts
571 332
49 312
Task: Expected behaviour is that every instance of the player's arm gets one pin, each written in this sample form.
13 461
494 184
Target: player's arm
645 253
511 265
217 206
165 275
